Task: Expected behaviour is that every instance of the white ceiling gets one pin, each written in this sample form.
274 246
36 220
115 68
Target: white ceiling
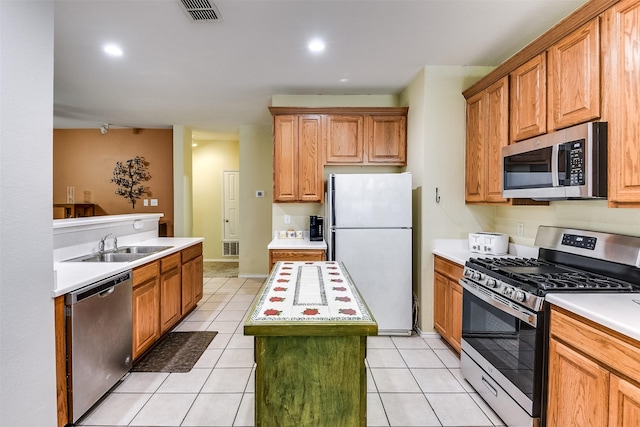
215 76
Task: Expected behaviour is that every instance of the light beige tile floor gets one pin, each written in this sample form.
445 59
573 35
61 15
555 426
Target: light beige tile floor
411 381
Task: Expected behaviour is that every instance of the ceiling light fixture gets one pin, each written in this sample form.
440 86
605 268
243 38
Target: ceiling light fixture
104 128
316 45
112 50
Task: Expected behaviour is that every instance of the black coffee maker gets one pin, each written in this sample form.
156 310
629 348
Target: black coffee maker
316 226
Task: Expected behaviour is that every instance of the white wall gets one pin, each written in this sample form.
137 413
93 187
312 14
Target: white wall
182 182
436 151
581 214
27 364
255 212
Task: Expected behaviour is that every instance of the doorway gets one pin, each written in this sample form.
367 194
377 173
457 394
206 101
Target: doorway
231 213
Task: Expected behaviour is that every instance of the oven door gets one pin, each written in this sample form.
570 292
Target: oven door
506 341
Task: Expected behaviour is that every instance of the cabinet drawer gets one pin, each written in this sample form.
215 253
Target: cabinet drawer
145 272
191 252
170 262
618 352
448 268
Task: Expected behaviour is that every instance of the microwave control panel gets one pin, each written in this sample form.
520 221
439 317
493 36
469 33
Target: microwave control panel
576 163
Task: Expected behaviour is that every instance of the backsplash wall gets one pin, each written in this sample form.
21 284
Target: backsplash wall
581 214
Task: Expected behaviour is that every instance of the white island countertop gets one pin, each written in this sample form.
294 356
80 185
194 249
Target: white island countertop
70 276
617 311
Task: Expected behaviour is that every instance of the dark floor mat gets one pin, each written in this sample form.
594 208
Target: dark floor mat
177 352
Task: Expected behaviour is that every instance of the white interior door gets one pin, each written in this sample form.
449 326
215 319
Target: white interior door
231 204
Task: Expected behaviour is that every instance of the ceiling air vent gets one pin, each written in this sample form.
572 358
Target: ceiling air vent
201 10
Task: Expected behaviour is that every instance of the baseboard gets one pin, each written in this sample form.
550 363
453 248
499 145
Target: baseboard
253 276
432 334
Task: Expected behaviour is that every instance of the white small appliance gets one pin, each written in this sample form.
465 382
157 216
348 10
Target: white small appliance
489 243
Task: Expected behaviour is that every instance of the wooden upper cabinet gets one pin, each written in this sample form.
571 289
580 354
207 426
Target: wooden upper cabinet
621 88
487 132
475 149
310 172
387 139
297 158
528 115
285 158
574 77
366 136
345 138
497 137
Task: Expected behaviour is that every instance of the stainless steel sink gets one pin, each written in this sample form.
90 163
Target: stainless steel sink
108 257
123 254
142 249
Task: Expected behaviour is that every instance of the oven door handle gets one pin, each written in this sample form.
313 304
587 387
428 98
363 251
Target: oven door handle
524 315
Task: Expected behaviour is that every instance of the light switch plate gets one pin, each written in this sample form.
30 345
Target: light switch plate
145 202
154 202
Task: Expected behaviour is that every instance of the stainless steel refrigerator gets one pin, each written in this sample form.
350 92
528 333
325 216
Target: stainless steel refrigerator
368 219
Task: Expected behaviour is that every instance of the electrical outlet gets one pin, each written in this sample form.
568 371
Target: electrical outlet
145 202
287 219
521 229
259 193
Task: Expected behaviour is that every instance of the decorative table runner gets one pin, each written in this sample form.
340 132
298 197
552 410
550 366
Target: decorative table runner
310 291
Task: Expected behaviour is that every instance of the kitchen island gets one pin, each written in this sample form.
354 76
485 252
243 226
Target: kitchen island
310 326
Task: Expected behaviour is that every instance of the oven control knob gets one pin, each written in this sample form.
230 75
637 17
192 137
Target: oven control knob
492 283
520 296
507 291
467 273
476 276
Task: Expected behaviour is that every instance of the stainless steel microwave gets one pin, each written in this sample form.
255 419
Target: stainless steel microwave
567 164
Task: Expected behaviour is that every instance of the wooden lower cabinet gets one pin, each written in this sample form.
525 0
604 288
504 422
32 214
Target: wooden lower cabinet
146 307
276 255
164 291
192 280
447 304
594 374
170 292
582 380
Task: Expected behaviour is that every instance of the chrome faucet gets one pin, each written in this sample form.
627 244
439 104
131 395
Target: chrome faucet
102 241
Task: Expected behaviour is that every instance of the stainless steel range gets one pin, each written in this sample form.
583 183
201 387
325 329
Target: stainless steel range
504 313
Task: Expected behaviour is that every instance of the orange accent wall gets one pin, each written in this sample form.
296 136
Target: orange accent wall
85 158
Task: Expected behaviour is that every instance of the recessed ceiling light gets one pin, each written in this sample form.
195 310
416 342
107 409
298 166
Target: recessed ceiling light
193 144
316 45
344 80
112 50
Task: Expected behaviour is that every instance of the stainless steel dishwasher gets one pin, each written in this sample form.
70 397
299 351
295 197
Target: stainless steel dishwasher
98 340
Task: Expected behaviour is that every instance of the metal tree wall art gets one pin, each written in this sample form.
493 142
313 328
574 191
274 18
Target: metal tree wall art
128 176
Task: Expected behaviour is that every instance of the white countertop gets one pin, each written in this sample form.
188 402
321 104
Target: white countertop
457 250
293 243
619 312
70 276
